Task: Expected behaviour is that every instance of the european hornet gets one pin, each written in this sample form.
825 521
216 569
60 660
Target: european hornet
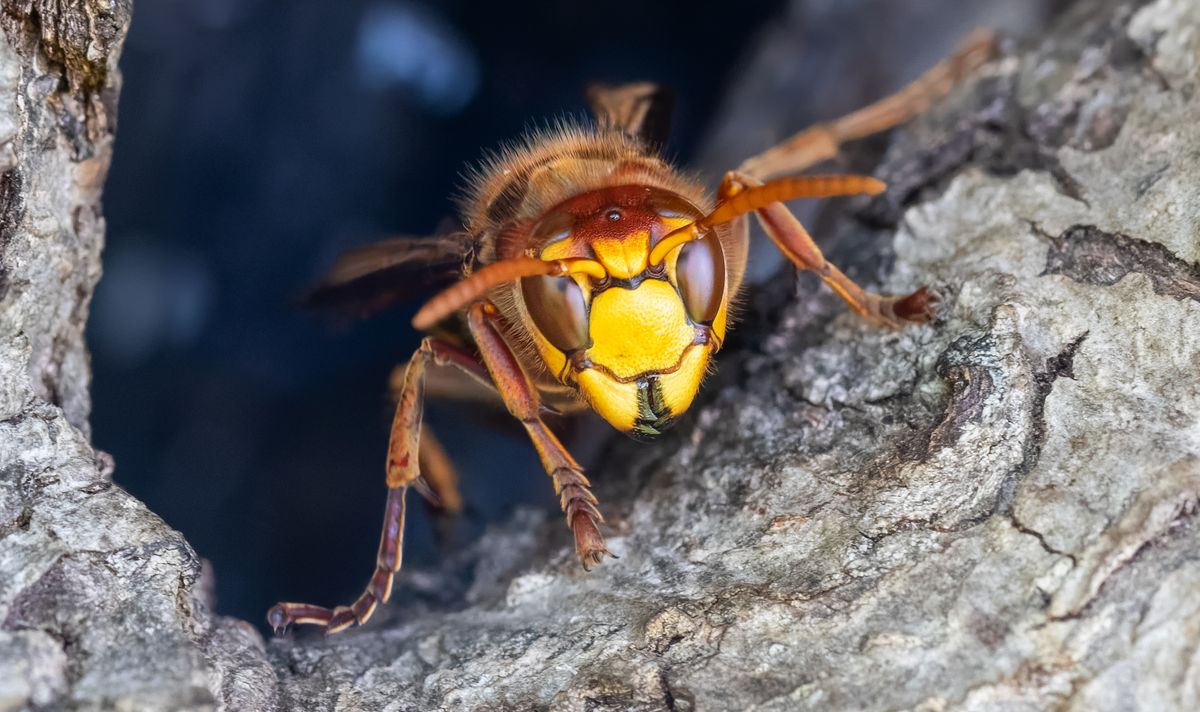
592 274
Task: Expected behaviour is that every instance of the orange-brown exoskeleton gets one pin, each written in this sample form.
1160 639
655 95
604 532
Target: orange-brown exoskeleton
592 274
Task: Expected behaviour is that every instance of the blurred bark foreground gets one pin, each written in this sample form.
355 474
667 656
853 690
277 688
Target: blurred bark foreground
995 512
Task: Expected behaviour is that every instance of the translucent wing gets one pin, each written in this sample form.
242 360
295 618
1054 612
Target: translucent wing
368 279
642 109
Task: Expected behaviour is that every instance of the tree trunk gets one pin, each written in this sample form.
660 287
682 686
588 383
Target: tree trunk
996 511
98 599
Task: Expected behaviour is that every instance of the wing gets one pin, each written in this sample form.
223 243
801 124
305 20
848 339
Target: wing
368 279
642 109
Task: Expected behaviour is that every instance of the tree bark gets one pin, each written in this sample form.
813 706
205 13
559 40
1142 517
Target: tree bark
995 511
99 606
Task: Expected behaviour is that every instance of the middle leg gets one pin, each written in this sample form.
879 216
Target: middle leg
405 452
794 241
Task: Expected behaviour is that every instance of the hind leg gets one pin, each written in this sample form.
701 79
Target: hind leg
823 141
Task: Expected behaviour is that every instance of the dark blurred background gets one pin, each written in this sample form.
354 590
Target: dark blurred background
258 138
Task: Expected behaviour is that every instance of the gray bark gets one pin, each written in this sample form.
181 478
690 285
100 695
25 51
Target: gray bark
996 511
99 606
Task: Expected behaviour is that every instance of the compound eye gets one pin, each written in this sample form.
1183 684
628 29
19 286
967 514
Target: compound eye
559 311
700 274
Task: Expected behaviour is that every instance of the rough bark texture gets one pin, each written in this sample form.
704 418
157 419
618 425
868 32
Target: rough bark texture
997 511
99 606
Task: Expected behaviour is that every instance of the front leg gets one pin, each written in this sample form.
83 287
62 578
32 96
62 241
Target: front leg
523 402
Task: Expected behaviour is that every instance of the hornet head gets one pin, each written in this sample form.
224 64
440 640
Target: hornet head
637 342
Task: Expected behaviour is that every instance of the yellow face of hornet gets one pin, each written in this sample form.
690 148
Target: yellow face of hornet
636 343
